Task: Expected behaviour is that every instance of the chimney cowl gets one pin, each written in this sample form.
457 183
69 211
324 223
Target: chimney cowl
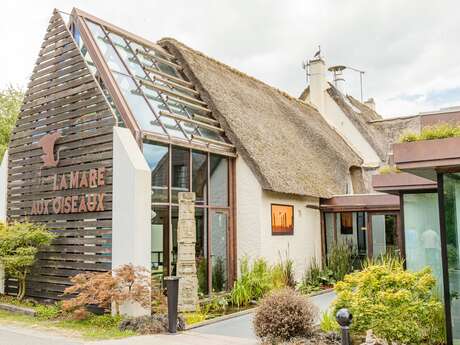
370 103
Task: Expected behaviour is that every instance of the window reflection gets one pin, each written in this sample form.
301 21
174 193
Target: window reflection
219 250
160 229
137 103
158 159
110 56
199 176
219 180
191 166
127 55
201 253
180 161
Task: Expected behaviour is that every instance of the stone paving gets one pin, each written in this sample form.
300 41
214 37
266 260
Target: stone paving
235 331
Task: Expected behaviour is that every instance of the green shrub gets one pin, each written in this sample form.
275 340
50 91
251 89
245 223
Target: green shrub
340 260
328 323
47 312
202 275
398 305
312 279
440 131
388 169
218 275
254 282
283 315
19 244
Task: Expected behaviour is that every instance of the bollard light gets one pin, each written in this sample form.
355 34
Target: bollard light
344 318
172 288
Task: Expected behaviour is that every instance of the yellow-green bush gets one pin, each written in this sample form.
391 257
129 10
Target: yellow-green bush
398 305
388 169
440 131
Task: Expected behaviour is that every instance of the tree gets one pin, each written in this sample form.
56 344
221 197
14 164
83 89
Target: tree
10 103
19 244
126 283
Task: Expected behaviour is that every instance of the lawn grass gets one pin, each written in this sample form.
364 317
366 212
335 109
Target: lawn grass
94 328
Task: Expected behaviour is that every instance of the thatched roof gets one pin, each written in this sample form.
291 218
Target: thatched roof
286 142
360 115
393 128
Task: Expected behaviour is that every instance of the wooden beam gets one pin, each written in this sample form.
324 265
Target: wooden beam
171 92
186 119
166 75
188 104
224 151
122 32
211 141
160 59
171 83
206 119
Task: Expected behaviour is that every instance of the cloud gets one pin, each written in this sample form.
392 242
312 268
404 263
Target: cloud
409 49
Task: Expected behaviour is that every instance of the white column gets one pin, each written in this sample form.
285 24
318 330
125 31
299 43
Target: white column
3 193
318 84
131 208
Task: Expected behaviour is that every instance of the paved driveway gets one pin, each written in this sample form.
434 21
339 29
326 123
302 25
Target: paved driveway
241 327
236 331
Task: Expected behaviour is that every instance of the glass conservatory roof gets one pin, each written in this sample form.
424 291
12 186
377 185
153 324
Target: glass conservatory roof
161 99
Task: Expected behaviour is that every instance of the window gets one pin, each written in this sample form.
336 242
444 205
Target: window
158 159
346 223
178 169
282 219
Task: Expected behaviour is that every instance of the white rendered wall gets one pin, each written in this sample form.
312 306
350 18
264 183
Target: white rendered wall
248 206
337 119
304 244
131 208
3 193
254 233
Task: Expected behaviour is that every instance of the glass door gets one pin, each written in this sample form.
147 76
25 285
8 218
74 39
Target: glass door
383 235
451 201
219 250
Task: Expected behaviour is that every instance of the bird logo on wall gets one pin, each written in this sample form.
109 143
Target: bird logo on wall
47 143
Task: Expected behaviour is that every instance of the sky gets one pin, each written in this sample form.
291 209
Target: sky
409 50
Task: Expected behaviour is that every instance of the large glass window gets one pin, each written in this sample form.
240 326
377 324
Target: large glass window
367 233
159 96
157 157
200 176
219 175
384 235
176 169
219 256
452 227
422 233
160 228
180 170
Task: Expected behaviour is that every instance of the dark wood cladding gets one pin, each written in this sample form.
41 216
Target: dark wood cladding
361 202
62 96
395 182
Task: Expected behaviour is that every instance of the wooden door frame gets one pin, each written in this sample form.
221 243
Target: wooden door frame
370 244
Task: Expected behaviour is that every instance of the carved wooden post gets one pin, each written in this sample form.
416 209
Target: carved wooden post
186 266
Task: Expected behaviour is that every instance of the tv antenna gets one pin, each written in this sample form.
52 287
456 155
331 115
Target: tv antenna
338 76
306 63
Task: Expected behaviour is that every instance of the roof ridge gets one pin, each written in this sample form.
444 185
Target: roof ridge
234 70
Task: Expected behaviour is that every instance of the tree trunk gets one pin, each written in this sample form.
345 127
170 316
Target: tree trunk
22 286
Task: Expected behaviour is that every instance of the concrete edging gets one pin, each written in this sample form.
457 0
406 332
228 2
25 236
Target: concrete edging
17 310
243 312
322 292
220 318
